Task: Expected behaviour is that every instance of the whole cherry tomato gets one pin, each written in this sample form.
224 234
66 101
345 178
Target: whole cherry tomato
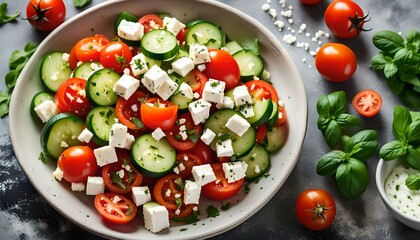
45 15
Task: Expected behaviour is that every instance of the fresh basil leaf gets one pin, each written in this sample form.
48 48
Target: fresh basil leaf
379 61
362 145
347 120
413 131
395 84
404 55
413 182
323 106
212 211
81 3
352 178
392 150
409 97
390 70
413 37
329 163
413 158
4 104
388 41
337 102
402 120
332 134
323 123
415 116
4 17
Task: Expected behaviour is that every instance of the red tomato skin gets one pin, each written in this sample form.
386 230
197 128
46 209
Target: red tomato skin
124 109
336 62
77 164
367 103
337 16
166 116
150 22
119 208
116 55
310 2
45 15
203 151
223 67
308 201
69 99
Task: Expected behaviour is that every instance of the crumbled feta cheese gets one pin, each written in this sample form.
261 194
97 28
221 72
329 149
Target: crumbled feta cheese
203 174
208 136
234 171
214 91
58 174
191 192
85 136
167 89
130 30
126 86
141 195
238 125
154 78
224 148
241 95
78 187
173 25
158 134
183 66
117 136
138 64
105 155
46 110
199 54
200 110
156 218
265 7
129 140
95 185
289 39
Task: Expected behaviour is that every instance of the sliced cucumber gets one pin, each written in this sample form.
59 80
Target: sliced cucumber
258 161
99 121
153 158
60 132
250 64
85 69
99 87
233 47
159 44
276 137
124 15
204 33
38 99
54 70
217 123
275 114
262 111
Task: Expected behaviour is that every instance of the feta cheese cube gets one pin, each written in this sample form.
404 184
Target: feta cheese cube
154 78
133 31
203 174
186 91
247 110
199 54
227 103
238 125
241 95
158 134
141 195
191 192
95 185
224 148
118 135
167 89
200 110
214 91
129 140
126 86
78 187
183 66
234 171
173 25
138 64
46 110
156 218
85 136
58 174
207 136
105 155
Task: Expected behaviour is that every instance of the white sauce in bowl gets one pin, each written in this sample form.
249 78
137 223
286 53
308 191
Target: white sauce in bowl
401 197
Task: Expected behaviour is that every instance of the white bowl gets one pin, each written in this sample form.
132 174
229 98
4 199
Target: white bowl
25 132
383 171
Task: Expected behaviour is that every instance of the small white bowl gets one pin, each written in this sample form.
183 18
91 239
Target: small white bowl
383 170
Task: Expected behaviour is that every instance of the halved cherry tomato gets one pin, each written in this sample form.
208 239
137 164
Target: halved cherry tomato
89 48
335 62
73 58
46 15
71 97
220 189
164 193
181 36
184 128
261 133
150 22
120 177
367 103
282 115
115 208
203 151
128 111
197 80
261 89
116 55
185 163
77 164
223 67
156 112
315 209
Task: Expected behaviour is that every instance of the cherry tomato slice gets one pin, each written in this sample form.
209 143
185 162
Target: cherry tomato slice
150 22
128 111
156 112
184 134
116 55
185 163
197 80
115 208
367 103
223 67
262 90
71 97
89 48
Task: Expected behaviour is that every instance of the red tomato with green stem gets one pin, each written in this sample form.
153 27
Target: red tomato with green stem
45 15
150 22
367 103
223 67
336 62
77 164
315 209
116 55
220 189
157 113
345 18
128 110
115 208
184 128
71 97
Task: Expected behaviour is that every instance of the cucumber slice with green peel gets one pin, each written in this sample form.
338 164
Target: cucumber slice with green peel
38 99
99 87
204 33
153 158
159 44
250 64
85 69
276 137
258 161
275 114
217 123
54 70
262 112
99 121
233 47
60 132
